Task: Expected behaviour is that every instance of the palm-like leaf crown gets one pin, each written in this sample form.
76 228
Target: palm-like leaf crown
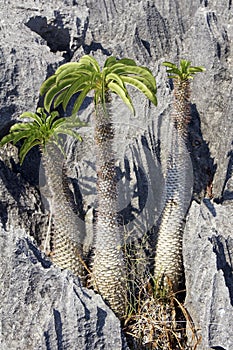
86 75
184 72
41 129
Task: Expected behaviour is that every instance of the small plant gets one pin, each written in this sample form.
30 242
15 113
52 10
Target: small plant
45 130
178 182
41 130
184 72
181 78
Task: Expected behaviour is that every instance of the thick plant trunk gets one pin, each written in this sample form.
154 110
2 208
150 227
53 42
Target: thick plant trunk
109 274
68 230
178 191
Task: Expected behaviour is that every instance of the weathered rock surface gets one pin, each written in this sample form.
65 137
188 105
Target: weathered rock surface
208 249
36 37
44 308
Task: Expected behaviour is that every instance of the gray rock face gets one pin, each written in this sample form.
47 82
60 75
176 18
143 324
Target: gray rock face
48 309
208 247
36 37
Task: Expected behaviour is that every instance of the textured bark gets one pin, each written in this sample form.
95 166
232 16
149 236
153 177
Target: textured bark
109 275
178 184
181 108
68 229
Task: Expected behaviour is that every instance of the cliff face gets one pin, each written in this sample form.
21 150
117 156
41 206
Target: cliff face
36 37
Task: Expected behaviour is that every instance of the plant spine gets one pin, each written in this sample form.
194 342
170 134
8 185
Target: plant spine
68 229
178 189
109 275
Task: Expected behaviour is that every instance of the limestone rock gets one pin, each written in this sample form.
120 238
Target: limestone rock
208 249
36 37
44 308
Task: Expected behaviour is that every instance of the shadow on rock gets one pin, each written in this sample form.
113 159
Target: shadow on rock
223 249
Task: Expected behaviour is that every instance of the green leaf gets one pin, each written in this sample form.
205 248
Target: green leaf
17 136
20 126
59 98
73 122
144 81
115 78
67 81
110 61
169 65
77 86
184 65
80 99
86 59
193 70
97 97
86 70
174 71
51 94
58 122
69 72
46 85
127 62
95 79
141 71
63 85
49 122
31 115
27 146
141 87
122 93
72 133
6 139
71 65
27 115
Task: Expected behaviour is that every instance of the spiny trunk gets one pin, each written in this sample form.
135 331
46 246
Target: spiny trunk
181 108
68 231
109 275
178 186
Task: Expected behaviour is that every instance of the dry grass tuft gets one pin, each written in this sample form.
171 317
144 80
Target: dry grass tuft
156 318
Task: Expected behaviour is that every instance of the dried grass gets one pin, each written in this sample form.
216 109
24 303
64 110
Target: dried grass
158 320
156 317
